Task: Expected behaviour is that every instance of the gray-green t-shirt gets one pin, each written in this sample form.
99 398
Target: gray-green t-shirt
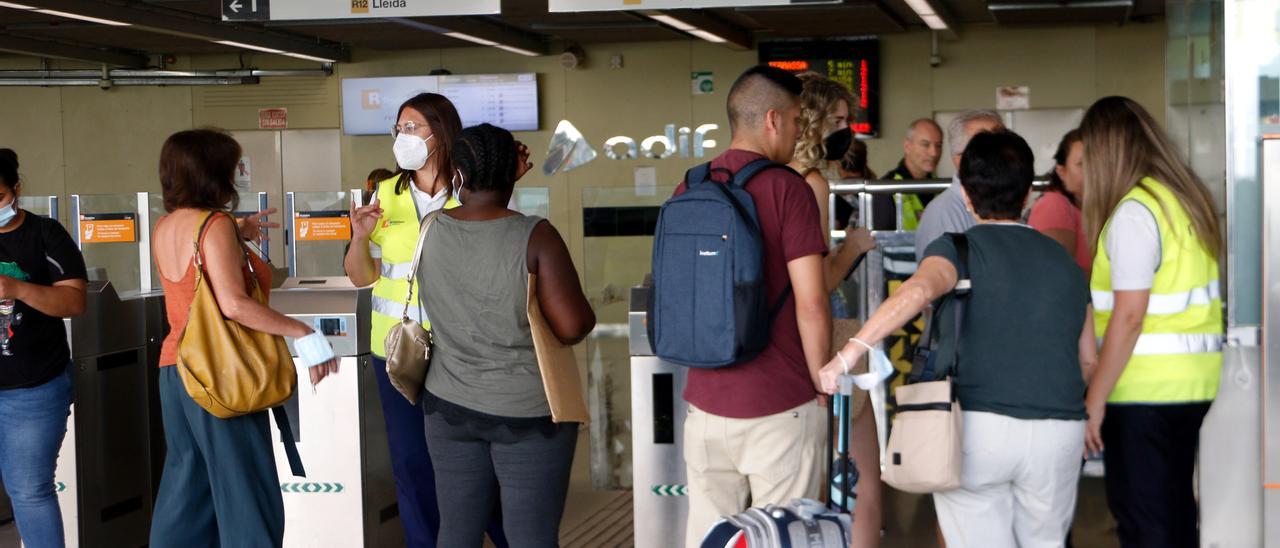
474 281
1020 347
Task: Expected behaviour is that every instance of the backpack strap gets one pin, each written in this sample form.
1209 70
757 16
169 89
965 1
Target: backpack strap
964 286
744 175
698 174
922 366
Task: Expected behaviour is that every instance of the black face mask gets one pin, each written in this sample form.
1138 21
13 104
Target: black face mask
838 143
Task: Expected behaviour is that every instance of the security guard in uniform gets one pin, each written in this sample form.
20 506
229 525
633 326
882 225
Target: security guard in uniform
921 150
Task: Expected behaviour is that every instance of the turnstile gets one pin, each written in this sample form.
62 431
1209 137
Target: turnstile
658 411
348 498
104 479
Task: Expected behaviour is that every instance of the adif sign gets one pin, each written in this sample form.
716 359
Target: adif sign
672 141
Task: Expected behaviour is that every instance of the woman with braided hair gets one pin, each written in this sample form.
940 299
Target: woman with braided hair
488 422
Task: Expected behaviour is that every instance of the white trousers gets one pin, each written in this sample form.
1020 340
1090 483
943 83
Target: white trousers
1018 483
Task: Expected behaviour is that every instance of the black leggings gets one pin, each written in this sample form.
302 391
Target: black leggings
528 471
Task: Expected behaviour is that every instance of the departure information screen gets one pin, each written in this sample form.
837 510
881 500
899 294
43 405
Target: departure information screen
854 62
505 100
509 101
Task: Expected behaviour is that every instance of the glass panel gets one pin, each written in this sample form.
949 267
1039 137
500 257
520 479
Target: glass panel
320 231
533 201
35 204
107 230
1253 100
155 208
617 248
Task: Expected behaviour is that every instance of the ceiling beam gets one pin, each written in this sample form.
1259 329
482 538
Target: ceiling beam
42 48
142 17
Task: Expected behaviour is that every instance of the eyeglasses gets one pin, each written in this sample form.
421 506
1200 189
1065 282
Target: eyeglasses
411 128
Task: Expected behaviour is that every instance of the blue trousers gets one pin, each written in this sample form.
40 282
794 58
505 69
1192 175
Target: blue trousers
33 422
219 485
411 466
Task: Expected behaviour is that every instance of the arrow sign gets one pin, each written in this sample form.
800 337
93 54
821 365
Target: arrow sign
246 10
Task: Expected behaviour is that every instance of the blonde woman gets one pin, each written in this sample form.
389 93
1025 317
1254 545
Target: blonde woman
824 139
1159 315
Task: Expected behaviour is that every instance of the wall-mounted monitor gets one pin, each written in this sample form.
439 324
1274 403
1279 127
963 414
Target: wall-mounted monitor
509 101
854 62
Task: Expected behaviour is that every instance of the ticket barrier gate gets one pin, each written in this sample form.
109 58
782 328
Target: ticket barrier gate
658 411
338 428
104 479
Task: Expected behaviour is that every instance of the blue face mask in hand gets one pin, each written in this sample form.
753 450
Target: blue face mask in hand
880 369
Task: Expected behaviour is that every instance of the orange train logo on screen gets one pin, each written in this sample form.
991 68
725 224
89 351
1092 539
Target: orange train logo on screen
371 99
359 6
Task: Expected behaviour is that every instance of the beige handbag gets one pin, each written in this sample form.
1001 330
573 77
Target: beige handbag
408 344
926 442
558 365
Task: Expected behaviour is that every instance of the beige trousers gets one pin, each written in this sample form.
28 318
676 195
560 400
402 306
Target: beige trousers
736 463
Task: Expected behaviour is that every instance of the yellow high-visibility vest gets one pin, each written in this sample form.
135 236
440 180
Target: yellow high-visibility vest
1178 357
397 235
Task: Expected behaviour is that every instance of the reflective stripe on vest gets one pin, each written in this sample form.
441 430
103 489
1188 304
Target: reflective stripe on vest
1152 344
397 271
1178 356
1171 303
394 309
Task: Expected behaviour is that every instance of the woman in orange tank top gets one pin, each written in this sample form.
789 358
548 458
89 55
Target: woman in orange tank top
227 462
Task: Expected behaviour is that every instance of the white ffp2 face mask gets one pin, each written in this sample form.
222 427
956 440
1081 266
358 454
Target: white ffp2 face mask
411 151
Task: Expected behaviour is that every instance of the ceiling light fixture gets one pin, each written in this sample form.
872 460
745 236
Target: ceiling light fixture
708 36
687 28
520 51
247 46
79 17
672 22
16 6
308 57
470 38
928 14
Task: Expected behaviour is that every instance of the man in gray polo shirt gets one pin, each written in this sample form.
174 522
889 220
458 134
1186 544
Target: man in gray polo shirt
947 212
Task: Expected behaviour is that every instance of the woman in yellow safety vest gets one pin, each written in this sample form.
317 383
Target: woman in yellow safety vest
383 236
1159 316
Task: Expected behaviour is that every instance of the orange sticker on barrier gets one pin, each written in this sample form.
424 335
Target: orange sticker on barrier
318 226
108 228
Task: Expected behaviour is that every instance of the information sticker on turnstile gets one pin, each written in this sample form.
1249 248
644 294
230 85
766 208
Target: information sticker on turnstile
318 230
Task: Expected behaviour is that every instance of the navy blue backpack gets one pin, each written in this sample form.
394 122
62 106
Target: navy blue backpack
708 308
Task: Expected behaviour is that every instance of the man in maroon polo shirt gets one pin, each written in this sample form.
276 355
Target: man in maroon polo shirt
754 432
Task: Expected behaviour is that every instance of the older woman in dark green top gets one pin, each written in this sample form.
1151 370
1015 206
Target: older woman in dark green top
1026 348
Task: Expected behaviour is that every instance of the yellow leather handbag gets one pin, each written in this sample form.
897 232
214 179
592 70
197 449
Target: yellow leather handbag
227 368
